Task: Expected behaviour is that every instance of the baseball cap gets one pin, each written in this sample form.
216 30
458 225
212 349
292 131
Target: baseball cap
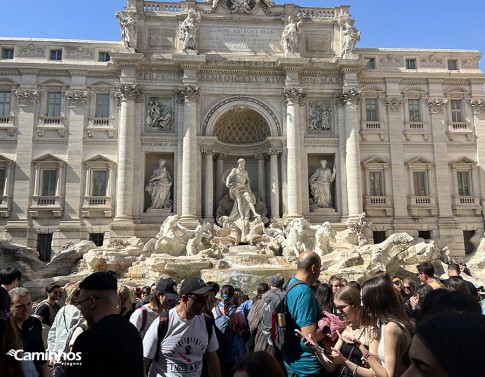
276 281
168 287
194 284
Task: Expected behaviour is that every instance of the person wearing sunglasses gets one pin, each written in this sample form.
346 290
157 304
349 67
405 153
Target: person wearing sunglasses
185 338
111 346
47 309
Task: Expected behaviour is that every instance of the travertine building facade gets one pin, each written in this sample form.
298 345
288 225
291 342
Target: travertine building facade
84 125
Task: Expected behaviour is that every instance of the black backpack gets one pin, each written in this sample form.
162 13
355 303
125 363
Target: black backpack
278 326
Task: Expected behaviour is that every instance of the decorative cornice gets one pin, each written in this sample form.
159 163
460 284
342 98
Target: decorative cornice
78 72
26 97
188 92
393 104
29 71
128 92
77 98
294 95
437 104
349 96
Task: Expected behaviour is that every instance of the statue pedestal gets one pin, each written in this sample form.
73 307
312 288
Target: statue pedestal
159 212
324 211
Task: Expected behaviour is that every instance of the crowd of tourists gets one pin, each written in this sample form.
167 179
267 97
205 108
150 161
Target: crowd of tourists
385 326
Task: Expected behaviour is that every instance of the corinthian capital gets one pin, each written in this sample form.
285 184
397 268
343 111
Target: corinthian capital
477 104
294 95
77 98
128 92
26 97
437 104
349 96
188 92
393 104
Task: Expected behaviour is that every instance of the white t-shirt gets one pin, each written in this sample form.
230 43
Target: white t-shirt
182 349
137 319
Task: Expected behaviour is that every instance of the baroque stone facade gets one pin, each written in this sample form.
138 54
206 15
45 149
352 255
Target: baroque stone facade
83 125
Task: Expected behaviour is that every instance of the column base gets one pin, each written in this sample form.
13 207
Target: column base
189 221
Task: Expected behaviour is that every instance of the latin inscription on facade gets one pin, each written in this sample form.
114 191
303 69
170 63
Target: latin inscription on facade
240 39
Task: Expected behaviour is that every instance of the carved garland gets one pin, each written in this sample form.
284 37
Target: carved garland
477 104
26 97
77 98
437 104
393 104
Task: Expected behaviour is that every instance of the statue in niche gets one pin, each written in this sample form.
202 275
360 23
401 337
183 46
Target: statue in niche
159 187
158 116
289 38
323 235
239 190
320 183
188 30
127 27
350 37
319 117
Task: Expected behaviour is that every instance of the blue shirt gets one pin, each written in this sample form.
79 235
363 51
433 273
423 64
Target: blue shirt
305 310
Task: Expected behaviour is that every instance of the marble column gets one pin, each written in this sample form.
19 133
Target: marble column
261 176
188 95
209 183
127 94
275 188
350 98
220 157
293 97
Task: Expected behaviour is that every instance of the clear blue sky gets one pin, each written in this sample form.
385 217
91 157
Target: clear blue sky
383 23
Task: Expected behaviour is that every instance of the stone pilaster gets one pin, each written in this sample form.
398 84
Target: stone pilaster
275 186
399 182
220 157
349 98
294 97
126 94
188 95
261 176
207 151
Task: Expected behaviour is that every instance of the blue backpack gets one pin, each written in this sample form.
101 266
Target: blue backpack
231 345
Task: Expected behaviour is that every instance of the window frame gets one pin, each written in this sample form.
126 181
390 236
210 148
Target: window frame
465 203
452 64
372 113
55 54
98 205
106 56
3 104
6 53
106 105
6 192
411 63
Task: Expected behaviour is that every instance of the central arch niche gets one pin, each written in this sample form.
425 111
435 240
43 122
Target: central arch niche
241 125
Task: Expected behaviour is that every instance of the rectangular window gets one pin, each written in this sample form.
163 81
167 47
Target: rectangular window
104 57
410 63
44 246
7 53
56 55
420 183
97 238
371 63
49 182
3 175
371 112
463 183
424 234
5 99
376 183
453 65
414 110
99 182
102 105
54 104
456 111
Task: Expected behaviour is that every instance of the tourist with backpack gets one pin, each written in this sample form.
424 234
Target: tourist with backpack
303 314
163 298
229 326
176 344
